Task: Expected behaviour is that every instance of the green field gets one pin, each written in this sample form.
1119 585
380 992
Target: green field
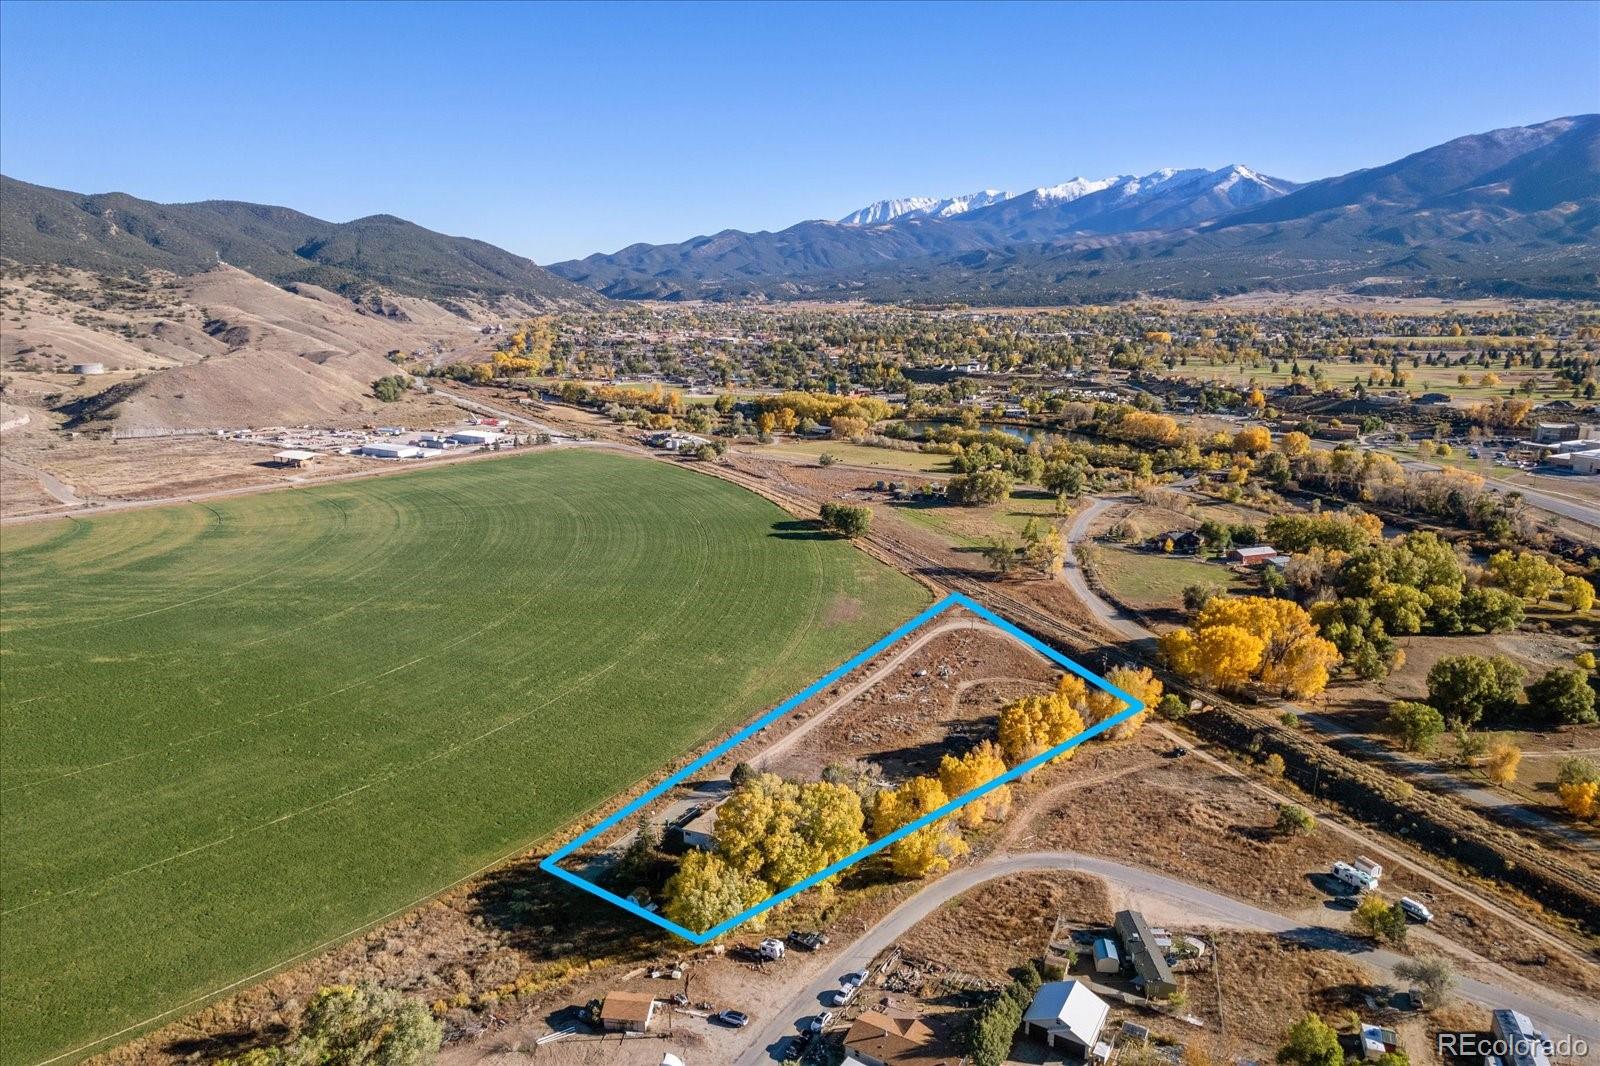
234 731
1142 579
890 459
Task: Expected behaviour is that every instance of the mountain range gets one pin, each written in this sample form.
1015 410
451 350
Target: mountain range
1512 211
116 233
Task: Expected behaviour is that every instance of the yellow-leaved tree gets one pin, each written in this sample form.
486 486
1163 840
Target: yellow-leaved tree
1579 797
1035 724
1502 761
706 891
929 849
1252 440
974 769
1236 640
782 832
1224 657
1139 683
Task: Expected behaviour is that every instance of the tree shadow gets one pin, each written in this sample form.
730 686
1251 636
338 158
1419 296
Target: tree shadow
548 919
799 529
227 1044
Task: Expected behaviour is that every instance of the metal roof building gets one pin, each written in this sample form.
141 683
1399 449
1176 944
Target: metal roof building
1149 960
1066 1011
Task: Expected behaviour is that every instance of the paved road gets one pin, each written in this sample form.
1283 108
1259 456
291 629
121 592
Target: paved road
1109 616
1545 499
51 484
1498 805
479 407
1207 907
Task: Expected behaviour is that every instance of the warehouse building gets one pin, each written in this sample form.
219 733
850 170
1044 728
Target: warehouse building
384 450
474 437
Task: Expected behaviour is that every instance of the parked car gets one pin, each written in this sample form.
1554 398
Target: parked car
840 996
736 1019
771 949
820 1022
1415 910
795 1048
851 980
807 941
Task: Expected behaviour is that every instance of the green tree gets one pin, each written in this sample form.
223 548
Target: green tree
1379 919
1311 1042
1490 610
1563 697
1172 707
1415 725
640 856
1526 574
1466 687
847 520
391 387
980 488
358 1025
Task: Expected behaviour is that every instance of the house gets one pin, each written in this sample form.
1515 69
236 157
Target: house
676 442
1106 959
889 1037
1184 542
1255 555
1149 959
295 457
1066 1013
627 1012
694 828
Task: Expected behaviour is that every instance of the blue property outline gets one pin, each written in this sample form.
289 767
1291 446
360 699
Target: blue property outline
954 599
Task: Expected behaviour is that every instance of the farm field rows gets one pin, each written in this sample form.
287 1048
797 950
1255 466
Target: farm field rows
236 730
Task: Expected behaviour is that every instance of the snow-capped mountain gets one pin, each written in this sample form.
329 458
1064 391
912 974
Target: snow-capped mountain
1067 191
922 207
1233 186
1531 194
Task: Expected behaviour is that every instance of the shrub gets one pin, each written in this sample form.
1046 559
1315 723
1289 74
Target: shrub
1295 820
1435 976
1171 707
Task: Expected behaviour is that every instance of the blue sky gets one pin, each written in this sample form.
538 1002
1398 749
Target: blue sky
556 131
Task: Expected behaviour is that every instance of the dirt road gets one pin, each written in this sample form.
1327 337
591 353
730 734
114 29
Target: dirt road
1556 1013
1499 805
